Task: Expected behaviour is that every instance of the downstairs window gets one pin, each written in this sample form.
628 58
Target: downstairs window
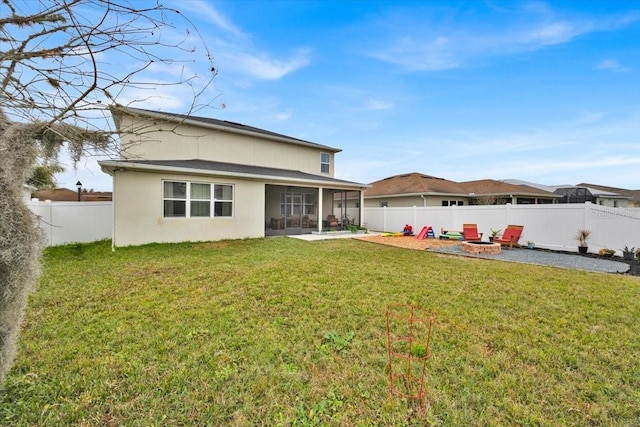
181 199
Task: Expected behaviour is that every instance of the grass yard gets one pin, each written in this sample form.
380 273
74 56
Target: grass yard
285 332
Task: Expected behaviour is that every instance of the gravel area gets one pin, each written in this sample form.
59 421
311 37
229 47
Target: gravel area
536 256
551 258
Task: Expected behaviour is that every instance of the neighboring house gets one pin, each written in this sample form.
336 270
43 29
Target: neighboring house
491 192
581 194
185 178
416 189
67 195
596 194
633 196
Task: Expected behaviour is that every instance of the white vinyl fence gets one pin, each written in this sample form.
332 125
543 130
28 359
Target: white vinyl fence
72 222
548 226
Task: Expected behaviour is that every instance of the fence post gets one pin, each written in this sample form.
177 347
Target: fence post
384 218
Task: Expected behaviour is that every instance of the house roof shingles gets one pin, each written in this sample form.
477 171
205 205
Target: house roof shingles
207 121
227 168
413 183
67 195
417 183
490 186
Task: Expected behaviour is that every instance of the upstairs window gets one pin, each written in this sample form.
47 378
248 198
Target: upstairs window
194 200
325 162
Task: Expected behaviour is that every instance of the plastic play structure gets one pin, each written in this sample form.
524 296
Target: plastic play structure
450 234
425 233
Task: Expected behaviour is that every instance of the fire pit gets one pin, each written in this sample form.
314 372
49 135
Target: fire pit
486 248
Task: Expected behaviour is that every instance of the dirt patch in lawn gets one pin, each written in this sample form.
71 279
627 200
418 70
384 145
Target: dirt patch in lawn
408 242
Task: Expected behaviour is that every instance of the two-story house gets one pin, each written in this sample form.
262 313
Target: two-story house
186 178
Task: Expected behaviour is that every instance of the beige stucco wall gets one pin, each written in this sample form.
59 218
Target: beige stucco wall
618 203
138 211
163 141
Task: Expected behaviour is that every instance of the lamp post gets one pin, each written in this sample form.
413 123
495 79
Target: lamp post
79 187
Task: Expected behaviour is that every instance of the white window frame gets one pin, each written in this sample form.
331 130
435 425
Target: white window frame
187 199
325 164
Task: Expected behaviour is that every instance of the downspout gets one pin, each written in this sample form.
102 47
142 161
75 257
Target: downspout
320 214
361 213
113 212
424 200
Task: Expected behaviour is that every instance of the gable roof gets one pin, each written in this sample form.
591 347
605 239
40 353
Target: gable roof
499 188
66 195
415 183
213 168
207 122
412 184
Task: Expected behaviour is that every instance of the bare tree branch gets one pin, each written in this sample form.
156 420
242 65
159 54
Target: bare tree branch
63 64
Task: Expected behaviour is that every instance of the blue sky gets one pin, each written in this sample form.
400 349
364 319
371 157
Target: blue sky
547 92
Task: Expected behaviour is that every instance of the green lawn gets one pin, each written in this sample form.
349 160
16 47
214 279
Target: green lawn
234 333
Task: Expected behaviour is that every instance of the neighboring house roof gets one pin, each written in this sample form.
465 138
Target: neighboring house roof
542 187
420 184
213 168
594 191
207 122
502 188
633 195
413 184
67 195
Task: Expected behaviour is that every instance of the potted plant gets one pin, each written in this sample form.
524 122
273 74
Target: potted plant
494 233
582 236
628 253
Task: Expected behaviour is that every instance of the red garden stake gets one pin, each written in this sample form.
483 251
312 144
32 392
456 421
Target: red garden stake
408 339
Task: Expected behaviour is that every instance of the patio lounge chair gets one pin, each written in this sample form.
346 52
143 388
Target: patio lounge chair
333 221
510 236
470 233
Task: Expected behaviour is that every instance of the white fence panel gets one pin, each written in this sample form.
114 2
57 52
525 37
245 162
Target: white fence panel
613 228
71 222
548 226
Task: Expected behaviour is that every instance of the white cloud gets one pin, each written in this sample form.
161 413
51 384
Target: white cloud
554 33
283 116
205 11
423 42
377 104
611 65
418 55
265 68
